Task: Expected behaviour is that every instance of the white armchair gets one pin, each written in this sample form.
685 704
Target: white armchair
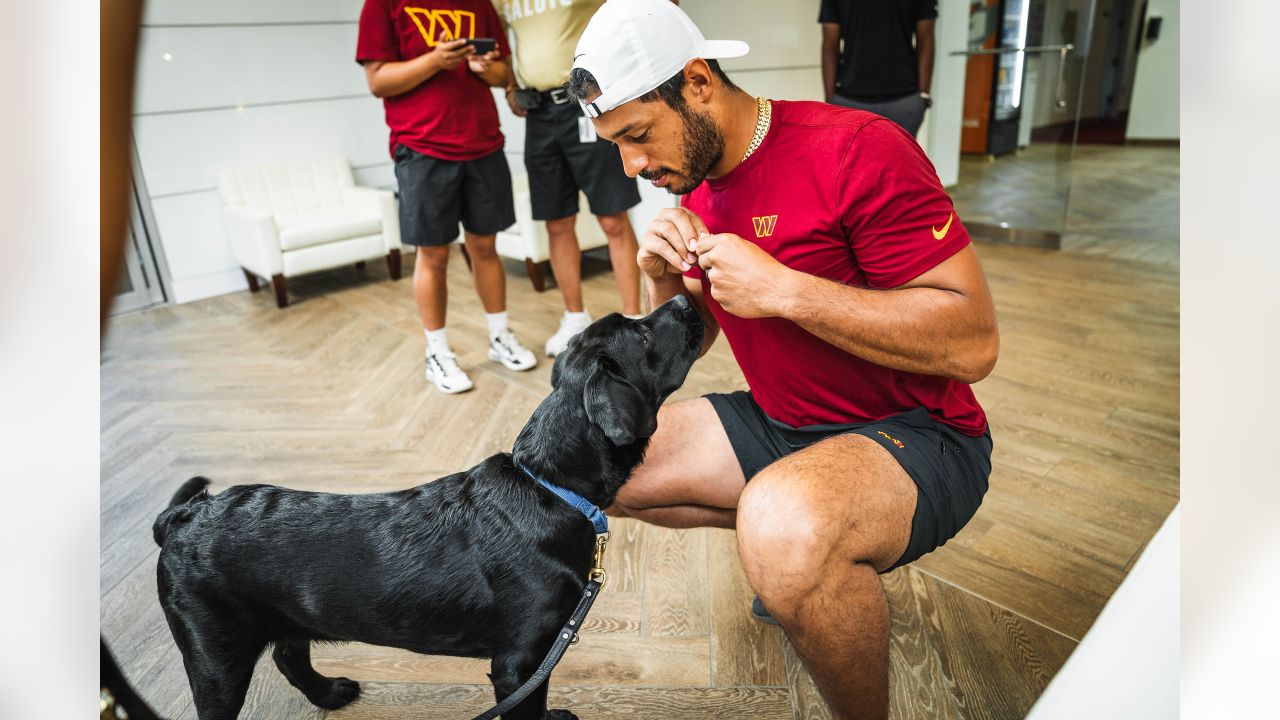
287 219
527 239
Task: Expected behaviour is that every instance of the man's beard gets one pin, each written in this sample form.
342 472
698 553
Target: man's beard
703 149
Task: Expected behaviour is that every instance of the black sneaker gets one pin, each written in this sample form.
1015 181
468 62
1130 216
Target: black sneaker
758 612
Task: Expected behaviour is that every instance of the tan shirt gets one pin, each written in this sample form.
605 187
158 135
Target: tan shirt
546 34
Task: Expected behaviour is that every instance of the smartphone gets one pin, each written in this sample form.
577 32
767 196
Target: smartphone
482 45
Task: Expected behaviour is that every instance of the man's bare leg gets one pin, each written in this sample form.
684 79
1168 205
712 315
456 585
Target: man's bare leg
487 272
813 530
430 289
622 255
690 476
566 260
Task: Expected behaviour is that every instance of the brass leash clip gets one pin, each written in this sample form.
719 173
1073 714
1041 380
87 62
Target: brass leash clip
597 564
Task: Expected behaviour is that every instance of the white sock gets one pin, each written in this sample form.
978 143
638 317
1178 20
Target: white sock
634 317
582 317
437 340
497 323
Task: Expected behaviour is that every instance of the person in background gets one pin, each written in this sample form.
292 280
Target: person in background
879 69
449 161
563 155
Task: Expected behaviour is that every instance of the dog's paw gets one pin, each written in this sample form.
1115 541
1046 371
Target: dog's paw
340 692
559 715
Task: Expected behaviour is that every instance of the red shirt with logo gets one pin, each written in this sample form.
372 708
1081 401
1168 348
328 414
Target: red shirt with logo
451 116
847 196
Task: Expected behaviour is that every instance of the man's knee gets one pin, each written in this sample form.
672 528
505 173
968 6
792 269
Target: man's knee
562 229
432 259
614 225
482 248
781 536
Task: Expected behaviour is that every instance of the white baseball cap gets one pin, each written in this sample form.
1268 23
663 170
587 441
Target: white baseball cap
633 46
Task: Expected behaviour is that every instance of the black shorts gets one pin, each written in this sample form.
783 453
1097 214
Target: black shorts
950 469
436 194
560 164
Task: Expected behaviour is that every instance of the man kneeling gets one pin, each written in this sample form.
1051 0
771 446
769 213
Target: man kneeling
821 242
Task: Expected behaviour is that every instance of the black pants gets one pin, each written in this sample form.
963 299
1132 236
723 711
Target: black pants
560 164
436 194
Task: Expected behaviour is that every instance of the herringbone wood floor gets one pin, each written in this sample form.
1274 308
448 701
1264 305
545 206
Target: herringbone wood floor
328 395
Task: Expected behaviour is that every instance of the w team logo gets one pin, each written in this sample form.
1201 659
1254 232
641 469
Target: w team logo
439 26
764 225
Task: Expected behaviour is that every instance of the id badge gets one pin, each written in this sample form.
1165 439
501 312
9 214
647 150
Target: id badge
586 130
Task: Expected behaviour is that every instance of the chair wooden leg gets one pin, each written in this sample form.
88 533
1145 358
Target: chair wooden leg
466 256
253 281
282 290
535 274
393 264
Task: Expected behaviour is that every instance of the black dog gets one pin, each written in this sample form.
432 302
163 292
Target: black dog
484 563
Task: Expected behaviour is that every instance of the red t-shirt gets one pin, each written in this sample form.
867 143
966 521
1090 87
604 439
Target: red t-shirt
451 116
847 196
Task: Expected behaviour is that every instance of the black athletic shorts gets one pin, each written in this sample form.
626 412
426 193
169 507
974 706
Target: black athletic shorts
560 164
950 469
436 194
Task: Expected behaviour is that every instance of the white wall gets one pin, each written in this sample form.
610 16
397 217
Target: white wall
1153 114
940 134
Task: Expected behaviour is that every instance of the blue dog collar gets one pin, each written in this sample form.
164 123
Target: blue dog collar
597 517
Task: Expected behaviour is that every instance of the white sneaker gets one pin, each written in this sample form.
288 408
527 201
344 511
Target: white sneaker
506 349
444 371
569 326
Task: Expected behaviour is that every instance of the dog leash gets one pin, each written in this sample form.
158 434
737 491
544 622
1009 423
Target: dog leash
568 634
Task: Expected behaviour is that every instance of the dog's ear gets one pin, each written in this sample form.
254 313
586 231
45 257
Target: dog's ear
616 406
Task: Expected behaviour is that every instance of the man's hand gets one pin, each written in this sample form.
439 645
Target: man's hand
667 245
480 64
515 106
745 280
448 55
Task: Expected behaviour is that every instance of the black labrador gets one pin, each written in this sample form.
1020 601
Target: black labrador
485 563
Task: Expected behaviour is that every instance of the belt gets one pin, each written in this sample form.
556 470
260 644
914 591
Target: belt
531 99
555 96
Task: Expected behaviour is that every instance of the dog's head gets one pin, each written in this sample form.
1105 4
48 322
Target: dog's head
607 386
626 368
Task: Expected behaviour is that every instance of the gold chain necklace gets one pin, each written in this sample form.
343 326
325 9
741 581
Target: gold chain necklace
764 113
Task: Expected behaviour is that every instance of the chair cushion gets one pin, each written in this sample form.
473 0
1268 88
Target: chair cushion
321 225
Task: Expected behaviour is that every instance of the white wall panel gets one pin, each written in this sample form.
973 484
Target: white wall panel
781 34
512 126
940 135
183 152
211 67
1153 112
194 241
377 176
796 84
204 12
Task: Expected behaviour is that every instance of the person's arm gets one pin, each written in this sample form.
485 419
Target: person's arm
941 323
392 78
492 70
664 254
830 58
924 53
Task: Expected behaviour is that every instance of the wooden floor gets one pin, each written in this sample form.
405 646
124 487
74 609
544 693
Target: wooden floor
1123 200
328 395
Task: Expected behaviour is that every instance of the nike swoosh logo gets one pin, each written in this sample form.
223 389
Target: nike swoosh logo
939 234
